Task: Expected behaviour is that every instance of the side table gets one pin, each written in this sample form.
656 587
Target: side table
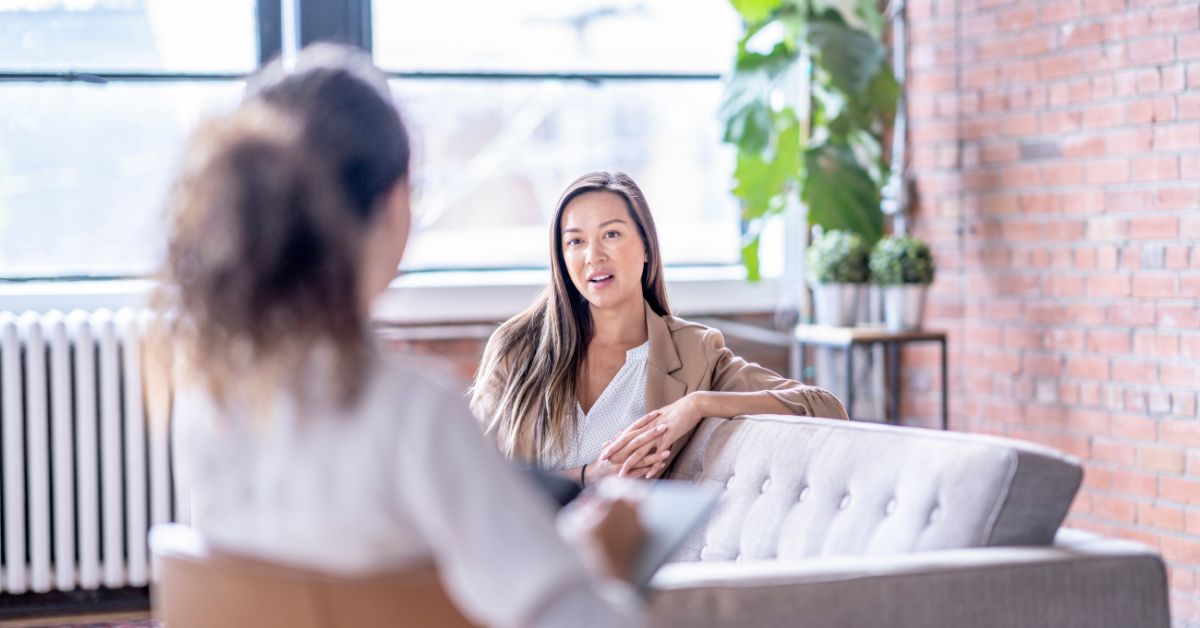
848 337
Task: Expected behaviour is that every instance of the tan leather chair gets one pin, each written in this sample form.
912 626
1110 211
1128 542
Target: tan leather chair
198 587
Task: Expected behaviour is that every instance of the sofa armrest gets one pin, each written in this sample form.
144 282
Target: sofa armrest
1093 584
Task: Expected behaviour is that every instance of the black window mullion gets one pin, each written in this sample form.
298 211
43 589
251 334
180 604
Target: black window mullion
270 29
343 21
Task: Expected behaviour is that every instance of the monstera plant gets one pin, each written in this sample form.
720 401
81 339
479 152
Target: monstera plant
827 147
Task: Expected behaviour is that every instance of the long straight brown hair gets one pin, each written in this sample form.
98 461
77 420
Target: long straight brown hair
531 365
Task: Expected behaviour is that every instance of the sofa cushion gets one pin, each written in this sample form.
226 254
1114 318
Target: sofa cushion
796 487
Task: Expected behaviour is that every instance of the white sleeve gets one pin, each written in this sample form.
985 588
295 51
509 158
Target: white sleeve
491 534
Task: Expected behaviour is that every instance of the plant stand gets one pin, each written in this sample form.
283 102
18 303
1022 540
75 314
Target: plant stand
848 337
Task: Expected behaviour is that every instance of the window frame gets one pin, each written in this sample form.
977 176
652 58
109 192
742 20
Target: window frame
416 297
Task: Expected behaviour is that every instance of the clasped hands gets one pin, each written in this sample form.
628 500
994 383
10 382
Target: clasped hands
644 448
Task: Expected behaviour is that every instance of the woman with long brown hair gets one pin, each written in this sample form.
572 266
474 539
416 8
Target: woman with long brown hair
597 377
302 440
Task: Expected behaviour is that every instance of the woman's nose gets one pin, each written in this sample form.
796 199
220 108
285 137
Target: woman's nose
596 253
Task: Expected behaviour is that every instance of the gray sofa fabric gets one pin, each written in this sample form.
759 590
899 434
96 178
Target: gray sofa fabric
799 487
1102 584
844 524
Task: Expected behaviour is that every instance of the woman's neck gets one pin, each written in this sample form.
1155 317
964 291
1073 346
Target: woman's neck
624 326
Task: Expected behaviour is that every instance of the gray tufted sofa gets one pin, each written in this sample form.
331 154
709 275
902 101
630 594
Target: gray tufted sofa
837 523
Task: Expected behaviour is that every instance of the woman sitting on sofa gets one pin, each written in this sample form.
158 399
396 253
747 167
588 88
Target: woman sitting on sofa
597 378
303 442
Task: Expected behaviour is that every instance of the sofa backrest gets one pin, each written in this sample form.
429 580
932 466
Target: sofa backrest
795 487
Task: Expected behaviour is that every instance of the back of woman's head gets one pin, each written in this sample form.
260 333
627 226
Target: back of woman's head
268 219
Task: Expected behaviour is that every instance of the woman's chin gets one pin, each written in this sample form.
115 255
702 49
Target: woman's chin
607 301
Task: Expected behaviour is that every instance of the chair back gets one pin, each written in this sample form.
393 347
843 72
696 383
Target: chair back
199 587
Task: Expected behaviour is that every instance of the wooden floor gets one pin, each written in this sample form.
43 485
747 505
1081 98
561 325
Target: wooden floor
137 619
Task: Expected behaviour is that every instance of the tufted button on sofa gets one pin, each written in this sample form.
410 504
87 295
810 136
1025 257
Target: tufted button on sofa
836 523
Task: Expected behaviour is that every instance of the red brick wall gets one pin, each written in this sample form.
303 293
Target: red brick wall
1056 151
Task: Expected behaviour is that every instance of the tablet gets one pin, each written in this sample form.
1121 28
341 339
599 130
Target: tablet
669 512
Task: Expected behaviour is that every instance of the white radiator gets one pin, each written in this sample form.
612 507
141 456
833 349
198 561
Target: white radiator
84 466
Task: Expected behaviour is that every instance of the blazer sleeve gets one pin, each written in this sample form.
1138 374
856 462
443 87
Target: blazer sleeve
731 373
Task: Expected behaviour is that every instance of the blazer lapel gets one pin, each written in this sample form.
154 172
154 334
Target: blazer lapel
662 388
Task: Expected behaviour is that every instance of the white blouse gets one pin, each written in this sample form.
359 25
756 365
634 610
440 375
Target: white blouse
402 478
621 403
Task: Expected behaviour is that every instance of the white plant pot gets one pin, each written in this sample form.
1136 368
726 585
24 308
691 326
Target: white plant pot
904 306
836 304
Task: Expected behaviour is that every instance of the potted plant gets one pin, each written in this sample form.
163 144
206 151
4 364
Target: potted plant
809 105
838 270
903 268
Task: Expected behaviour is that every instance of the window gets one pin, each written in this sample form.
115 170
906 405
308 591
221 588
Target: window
508 104
513 103
98 96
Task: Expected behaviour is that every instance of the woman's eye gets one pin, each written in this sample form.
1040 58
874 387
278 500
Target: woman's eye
573 241
612 234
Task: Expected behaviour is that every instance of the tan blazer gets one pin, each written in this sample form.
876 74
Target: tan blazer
686 357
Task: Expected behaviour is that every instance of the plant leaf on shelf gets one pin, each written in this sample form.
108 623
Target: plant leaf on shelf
840 193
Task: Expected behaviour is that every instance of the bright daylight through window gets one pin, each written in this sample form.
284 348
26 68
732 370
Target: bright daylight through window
513 100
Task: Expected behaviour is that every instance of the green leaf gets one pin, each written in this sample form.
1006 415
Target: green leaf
883 93
753 11
750 260
749 128
840 194
851 57
745 106
763 180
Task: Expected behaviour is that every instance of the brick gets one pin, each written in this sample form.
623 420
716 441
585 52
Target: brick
1155 227
1175 19
1133 372
1089 422
1128 141
1088 367
1081 201
1114 508
1183 432
1136 427
1103 341
1159 401
1135 401
1060 66
1155 50
1070 339
1182 375
1109 285
1179 316
1105 115
1163 459
1189 347
1163 286
1177 137
1151 110
1179 198
1189 286
1150 343
1126 26
1134 314
1183 404
1134 483
1175 257
1160 517
1184 550
1160 168
1059 11
1189 45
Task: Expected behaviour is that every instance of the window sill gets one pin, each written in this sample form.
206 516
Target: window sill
433 298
